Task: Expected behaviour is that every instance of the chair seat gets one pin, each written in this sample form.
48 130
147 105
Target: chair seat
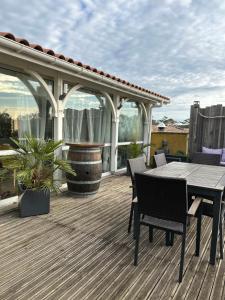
163 224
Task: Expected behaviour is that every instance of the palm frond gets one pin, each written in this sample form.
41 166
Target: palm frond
64 166
36 162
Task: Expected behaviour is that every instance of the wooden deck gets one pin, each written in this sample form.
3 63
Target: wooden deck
81 250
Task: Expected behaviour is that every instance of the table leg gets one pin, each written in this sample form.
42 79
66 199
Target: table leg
215 227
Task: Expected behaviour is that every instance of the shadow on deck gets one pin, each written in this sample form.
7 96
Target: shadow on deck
81 250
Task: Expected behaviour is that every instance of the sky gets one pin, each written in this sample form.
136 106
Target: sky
173 47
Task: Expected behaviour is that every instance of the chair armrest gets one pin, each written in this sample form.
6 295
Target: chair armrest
135 200
194 206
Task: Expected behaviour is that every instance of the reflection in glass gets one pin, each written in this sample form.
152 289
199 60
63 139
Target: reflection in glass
106 159
24 108
122 156
8 186
126 152
87 118
131 122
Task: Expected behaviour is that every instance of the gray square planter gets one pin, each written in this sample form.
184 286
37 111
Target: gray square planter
33 203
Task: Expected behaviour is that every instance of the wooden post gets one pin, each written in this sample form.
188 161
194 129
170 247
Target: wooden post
207 127
193 128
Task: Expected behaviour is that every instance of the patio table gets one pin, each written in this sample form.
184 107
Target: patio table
207 181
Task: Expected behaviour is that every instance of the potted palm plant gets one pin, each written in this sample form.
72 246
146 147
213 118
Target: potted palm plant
34 165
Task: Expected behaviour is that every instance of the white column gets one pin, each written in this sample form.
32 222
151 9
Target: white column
58 121
146 138
149 111
115 129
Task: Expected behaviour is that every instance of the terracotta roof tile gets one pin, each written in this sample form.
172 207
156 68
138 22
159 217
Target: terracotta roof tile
87 67
61 56
25 42
22 41
79 63
37 47
70 60
49 51
8 35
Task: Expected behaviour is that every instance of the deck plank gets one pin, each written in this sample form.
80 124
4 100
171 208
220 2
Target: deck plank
82 250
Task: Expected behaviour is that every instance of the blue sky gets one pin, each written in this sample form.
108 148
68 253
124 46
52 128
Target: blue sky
174 47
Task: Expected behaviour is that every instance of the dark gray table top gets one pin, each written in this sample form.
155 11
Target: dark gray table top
201 176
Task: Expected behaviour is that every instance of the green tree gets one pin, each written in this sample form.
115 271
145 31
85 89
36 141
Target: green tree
167 120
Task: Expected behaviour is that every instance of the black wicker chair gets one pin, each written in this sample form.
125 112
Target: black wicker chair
165 208
170 157
207 206
160 159
134 165
206 159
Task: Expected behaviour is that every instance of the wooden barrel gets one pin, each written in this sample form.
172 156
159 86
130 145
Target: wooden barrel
86 161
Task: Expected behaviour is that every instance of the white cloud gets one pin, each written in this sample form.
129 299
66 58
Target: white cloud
179 2
174 47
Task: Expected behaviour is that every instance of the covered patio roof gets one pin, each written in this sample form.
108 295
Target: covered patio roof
24 49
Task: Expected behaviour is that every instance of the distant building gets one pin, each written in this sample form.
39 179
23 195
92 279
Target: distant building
172 139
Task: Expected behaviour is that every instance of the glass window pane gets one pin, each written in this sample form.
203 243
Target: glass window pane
106 159
122 156
87 118
131 122
126 152
24 108
8 187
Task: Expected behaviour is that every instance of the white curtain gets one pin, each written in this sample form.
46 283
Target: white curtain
32 123
90 118
29 124
131 123
88 125
73 120
89 122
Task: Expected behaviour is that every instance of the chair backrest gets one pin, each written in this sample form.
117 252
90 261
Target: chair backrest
162 197
159 151
206 159
136 165
160 159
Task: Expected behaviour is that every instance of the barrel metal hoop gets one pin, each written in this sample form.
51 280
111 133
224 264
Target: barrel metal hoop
84 162
83 193
85 151
83 182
